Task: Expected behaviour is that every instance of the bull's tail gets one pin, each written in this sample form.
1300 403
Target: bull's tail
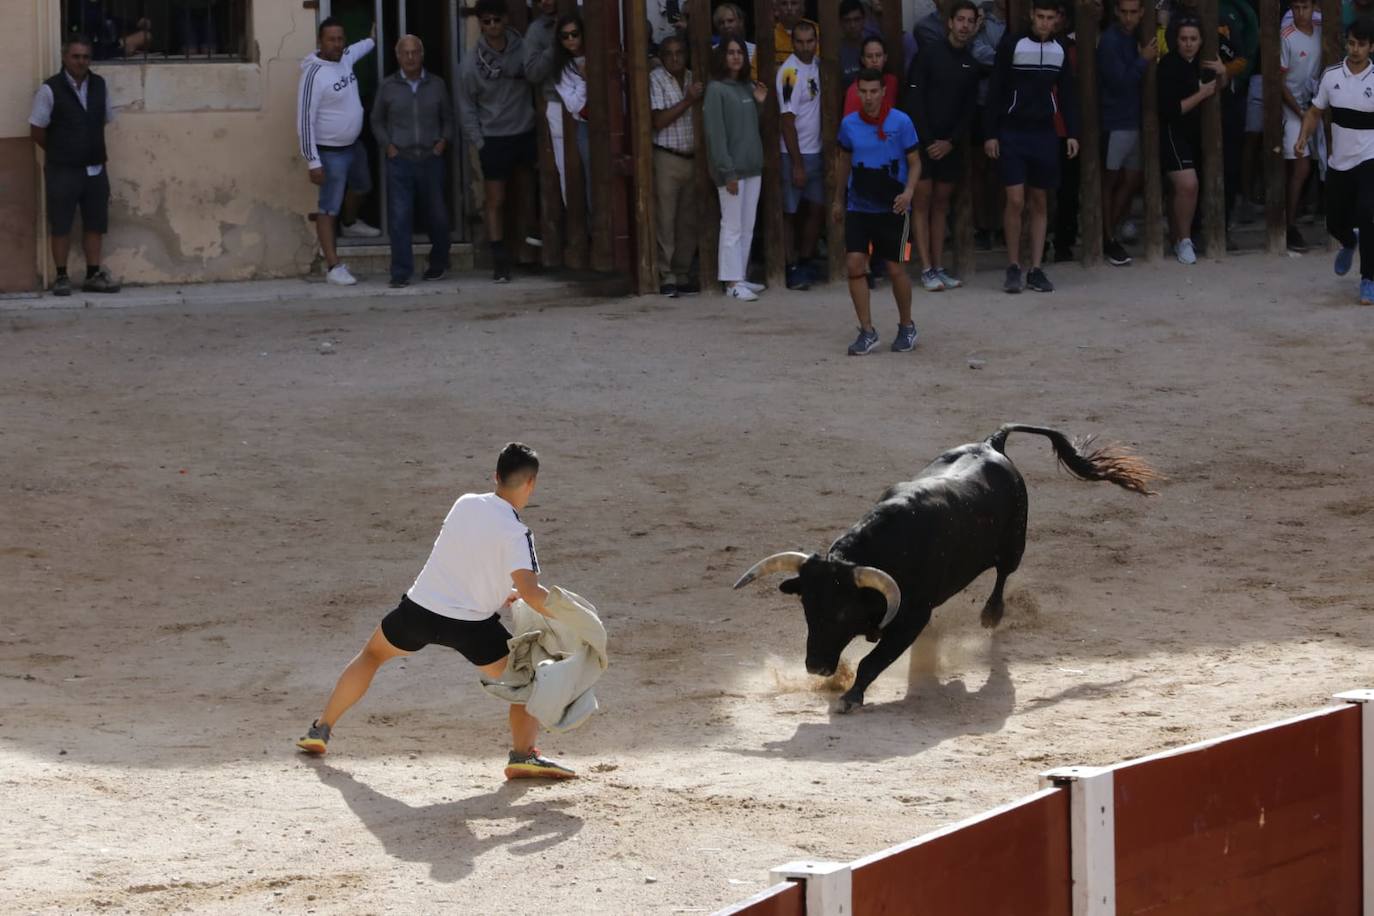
1113 463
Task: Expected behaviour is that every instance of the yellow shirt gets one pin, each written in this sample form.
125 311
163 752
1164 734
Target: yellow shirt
782 41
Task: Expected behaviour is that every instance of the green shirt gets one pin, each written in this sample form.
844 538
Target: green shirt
731 117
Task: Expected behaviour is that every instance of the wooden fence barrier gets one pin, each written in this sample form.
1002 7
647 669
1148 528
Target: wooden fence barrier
782 899
1276 820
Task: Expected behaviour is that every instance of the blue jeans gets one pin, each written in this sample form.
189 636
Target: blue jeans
413 185
344 169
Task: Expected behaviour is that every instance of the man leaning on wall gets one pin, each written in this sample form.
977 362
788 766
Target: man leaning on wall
70 111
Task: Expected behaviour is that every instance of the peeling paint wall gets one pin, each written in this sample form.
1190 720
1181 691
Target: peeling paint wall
204 173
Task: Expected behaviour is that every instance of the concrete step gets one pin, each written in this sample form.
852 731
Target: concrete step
367 257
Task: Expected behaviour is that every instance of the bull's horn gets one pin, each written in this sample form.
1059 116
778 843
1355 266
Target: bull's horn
869 577
787 561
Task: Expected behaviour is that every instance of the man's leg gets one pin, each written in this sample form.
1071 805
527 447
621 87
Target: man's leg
494 208
856 266
324 230
90 247
667 181
61 250
921 216
685 233
400 206
939 214
1035 202
357 677
1298 170
434 204
1184 204
1011 224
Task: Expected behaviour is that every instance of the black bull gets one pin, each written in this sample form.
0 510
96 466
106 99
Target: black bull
923 542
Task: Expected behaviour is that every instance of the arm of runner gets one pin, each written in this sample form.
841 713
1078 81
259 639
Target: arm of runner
526 583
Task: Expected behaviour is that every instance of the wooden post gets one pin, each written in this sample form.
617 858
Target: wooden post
600 53
1333 41
1212 194
622 169
1152 232
892 37
642 137
770 123
829 21
575 247
550 197
1087 26
965 254
1275 169
1018 16
708 200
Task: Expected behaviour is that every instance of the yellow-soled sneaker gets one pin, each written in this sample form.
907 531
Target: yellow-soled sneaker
533 766
316 740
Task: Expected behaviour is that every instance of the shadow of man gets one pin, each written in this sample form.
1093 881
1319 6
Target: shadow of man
442 835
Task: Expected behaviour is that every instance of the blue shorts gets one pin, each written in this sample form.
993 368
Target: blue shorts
344 168
1029 157
813 193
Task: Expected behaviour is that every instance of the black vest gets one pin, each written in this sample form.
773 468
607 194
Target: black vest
76 135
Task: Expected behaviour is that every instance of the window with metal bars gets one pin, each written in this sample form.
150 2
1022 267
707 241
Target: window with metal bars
160 30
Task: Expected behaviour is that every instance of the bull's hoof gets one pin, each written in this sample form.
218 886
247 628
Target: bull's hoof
845 705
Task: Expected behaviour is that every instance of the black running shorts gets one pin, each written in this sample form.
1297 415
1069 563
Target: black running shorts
411 627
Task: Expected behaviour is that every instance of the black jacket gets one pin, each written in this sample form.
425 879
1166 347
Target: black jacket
941 92
1025 81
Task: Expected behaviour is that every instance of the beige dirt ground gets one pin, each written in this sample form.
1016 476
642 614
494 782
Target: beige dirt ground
204 517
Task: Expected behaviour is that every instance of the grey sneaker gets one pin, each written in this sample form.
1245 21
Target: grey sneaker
930 280
905 341
533 766
102 282
1036 280
316 740
865 343
948 279
1012 284
62 286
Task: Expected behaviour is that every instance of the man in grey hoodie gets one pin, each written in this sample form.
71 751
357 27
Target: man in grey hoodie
497 117
412 120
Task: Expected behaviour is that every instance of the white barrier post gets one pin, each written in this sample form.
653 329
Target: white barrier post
1365 700
829 886
1092 836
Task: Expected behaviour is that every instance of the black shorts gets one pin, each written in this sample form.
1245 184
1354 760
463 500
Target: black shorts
69 187
411 627
1177 149
885 232
948 170
1029 157
501 156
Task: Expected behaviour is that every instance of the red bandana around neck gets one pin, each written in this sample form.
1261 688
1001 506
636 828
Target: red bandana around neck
876 122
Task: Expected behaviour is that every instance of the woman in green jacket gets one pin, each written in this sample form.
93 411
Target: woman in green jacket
734 148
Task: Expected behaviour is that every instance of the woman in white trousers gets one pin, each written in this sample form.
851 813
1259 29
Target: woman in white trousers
730 112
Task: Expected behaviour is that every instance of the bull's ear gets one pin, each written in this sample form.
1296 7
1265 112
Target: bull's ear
791 586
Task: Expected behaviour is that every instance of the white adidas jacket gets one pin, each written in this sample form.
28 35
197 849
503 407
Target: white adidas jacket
554 662
328 109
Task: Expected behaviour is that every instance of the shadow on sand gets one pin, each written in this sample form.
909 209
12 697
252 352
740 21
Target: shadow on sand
442 835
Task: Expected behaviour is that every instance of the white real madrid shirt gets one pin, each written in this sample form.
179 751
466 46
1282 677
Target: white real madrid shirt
1350 97
467 575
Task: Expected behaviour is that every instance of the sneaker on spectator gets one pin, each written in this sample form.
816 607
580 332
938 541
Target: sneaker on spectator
102 281
1344 258
865 343
905 341
435 273
359 230
948 279
1296 242
1036 280
798 278
1012 284
1185 253
534 241
753 287
1367 292
1116 253
399 282
340 276
1130 230
741 292
669 290
62 286
931 281
688 289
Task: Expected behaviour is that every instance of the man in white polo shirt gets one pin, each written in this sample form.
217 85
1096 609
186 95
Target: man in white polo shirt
482 560
1348 90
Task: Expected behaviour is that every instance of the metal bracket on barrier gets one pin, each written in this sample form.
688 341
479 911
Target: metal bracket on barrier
1092 836
829 886
1365 700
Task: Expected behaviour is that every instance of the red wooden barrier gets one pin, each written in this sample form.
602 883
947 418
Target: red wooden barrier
1268 821
1012 861
785 899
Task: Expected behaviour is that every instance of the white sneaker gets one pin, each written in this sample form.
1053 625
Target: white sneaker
339 275
753 287
742 292
1185 253
360 230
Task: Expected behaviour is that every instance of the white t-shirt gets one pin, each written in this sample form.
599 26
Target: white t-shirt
1350 97
1300 59
467 575
799 93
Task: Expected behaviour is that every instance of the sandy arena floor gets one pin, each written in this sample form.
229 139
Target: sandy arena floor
204 516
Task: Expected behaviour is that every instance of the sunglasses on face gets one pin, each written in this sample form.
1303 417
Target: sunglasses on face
572 33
